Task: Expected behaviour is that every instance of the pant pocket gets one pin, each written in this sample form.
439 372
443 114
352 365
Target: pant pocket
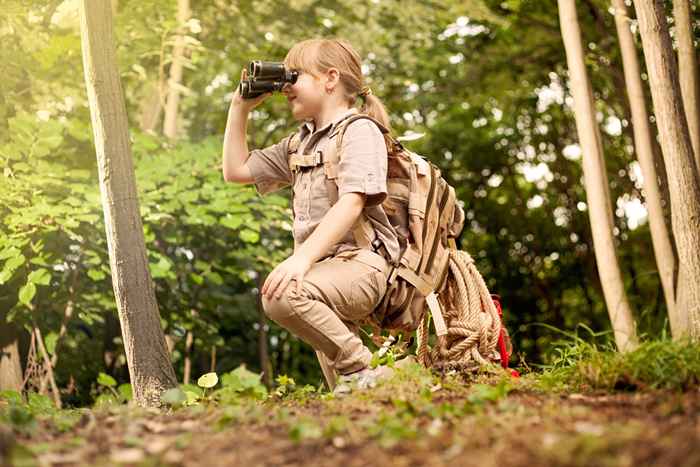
366 292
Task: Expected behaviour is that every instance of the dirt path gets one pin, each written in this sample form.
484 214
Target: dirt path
408 421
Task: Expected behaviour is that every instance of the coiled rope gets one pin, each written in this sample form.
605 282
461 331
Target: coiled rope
473 323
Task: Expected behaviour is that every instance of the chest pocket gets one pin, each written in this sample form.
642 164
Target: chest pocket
314 186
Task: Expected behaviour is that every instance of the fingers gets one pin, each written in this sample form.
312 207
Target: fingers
273 284
282 285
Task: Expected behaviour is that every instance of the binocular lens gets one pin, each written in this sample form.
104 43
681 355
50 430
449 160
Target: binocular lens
266 70
266 77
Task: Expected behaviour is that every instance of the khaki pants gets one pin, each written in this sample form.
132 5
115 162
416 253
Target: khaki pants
337 292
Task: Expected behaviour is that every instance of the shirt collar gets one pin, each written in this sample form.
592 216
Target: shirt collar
308 126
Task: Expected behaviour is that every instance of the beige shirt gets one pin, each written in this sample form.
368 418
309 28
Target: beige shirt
362 169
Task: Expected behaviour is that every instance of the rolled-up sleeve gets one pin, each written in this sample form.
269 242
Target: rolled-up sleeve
363 165
270 167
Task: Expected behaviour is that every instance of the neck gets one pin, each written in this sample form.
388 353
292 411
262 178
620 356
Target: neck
330 113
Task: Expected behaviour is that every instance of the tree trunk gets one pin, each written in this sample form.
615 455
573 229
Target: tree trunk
596 181
47 364
186 373
683 177
171 106
212 359
263 351
150 108
10 364
643 144
688 73
150 369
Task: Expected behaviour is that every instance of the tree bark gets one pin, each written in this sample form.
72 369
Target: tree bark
171 107
596 181
263 351
150 369
688 73
684 180
10 364
644 144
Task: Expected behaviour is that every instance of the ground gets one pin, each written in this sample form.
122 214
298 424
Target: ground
413 419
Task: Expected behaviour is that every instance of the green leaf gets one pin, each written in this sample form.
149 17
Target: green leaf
125 390
96 275
50 342
208 380
40 277
173 397
192 397
105 380
249 236
26 293
241 379
11 396
232 223
9 252
14 262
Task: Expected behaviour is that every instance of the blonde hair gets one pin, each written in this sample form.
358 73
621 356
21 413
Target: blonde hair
319 55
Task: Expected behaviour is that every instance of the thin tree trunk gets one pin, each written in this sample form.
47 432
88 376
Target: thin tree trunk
10 364
189 338
171 107
596 181
212 359
684 180
643 144
150 369
47 364
263 351
688 73
150 109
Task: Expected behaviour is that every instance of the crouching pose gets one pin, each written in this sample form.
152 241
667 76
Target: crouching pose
330 283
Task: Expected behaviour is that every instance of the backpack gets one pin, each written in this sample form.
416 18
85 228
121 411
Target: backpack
423 210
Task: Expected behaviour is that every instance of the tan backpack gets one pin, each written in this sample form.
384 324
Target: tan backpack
431 272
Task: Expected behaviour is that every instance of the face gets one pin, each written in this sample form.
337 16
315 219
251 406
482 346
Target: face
305 97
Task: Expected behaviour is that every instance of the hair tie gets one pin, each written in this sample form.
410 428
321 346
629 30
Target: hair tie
366 91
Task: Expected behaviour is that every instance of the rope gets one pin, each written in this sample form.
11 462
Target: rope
473 323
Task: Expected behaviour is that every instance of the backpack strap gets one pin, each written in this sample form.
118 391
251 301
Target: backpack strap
362 231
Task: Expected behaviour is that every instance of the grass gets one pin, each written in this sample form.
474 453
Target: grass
594 364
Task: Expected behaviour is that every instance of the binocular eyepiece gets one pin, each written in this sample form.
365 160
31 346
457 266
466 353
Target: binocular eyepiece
263 77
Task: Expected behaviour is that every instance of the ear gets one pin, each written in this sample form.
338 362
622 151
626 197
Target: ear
332 76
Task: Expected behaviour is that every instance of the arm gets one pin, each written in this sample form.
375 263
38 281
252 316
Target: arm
338 220
235 152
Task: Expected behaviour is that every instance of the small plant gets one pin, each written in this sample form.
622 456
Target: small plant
120 394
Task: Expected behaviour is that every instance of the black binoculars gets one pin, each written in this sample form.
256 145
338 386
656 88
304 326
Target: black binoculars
265 77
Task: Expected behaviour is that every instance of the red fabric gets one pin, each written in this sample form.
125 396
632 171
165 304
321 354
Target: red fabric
502 349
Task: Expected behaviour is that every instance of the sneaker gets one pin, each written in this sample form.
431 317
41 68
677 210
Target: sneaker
364 379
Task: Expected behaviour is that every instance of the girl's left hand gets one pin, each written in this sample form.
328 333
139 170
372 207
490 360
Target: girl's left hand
292 268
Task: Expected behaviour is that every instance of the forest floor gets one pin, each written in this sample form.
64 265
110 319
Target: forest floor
415 418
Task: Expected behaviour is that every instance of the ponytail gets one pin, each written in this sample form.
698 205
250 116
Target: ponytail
373 106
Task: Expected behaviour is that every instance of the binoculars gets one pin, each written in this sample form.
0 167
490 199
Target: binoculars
262 77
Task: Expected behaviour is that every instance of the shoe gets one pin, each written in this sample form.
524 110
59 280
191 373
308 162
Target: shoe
364 379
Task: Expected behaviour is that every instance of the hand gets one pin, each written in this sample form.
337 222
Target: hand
246 105
292 268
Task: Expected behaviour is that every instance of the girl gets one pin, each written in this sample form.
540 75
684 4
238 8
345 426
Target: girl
329 283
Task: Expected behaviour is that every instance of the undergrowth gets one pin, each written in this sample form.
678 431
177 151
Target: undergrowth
594 364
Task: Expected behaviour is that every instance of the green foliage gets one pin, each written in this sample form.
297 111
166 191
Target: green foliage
656 364
241 383
469 79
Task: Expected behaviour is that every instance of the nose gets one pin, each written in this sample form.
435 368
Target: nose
286 88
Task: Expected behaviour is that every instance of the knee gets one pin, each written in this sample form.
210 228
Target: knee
277 309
